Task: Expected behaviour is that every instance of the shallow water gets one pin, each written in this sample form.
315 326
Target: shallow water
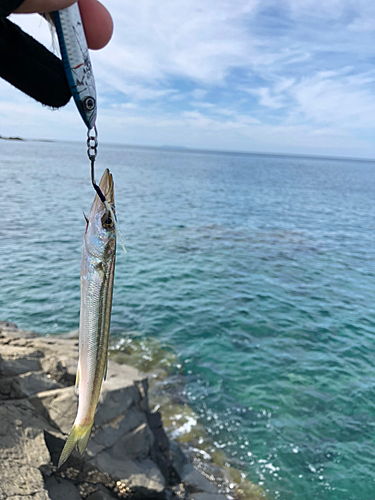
257 270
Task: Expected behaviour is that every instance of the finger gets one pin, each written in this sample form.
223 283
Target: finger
29 6
97 22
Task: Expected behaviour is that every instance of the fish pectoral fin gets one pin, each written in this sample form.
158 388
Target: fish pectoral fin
101 397
76 389
105 369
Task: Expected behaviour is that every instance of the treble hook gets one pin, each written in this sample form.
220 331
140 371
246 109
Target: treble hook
92 151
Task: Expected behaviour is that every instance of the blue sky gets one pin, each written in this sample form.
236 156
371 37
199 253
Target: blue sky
289 76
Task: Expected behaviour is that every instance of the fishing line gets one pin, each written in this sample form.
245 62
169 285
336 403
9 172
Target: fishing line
52 28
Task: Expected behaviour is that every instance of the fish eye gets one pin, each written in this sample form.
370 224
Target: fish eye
89 103
107 221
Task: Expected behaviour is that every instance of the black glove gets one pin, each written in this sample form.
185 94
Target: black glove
28 65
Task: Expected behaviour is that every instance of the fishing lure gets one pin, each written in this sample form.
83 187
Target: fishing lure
76 62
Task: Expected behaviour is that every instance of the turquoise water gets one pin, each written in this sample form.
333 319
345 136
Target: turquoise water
257 270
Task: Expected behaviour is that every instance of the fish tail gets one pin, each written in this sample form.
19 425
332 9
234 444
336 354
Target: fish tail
79 436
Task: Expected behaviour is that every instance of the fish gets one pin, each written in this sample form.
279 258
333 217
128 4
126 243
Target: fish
97 275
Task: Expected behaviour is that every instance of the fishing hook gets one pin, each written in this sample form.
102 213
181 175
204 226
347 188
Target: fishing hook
92 151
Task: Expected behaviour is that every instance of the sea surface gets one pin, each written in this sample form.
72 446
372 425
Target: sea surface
257 271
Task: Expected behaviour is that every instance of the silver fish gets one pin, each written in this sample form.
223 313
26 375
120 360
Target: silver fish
97 274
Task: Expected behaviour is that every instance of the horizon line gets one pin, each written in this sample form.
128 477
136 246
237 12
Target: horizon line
209 151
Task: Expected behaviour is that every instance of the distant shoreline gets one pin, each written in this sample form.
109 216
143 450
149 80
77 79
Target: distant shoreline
24 140
11 138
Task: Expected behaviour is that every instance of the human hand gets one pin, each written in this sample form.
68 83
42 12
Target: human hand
96 19
28 65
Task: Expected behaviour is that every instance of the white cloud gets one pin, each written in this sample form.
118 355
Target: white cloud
337 98
321 8
365 17
266 98
239 132
199 93
201 104
194 39
182 72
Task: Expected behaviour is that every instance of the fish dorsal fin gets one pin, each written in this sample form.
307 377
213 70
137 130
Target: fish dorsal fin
76 390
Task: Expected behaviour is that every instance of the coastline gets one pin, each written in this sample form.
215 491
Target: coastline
21 139
11 138
167 396
129 454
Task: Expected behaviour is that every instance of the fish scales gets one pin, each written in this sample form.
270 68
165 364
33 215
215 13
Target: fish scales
97 275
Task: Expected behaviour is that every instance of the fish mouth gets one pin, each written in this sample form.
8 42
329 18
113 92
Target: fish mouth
106 186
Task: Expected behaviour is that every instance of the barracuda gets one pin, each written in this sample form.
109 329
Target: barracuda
97 274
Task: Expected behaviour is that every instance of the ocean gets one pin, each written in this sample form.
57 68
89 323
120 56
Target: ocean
257 271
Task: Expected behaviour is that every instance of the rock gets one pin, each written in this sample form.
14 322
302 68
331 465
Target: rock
17 359
178 459
22 354
60 405
55 444
8 329
178 491
60 359
10 367
128 455
8 326
123 440
142 479
61 489
207 496
39 495
26 385
23 450
195 482
160 451
101 494
129 437
73 334
9 388
119 393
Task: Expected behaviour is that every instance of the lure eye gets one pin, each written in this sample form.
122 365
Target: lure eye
107 221
89 103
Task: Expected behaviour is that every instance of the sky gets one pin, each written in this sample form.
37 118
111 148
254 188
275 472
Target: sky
284 76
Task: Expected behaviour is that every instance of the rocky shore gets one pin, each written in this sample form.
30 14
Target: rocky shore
128 456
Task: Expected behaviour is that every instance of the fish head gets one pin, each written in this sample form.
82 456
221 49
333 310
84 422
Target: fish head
100 233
